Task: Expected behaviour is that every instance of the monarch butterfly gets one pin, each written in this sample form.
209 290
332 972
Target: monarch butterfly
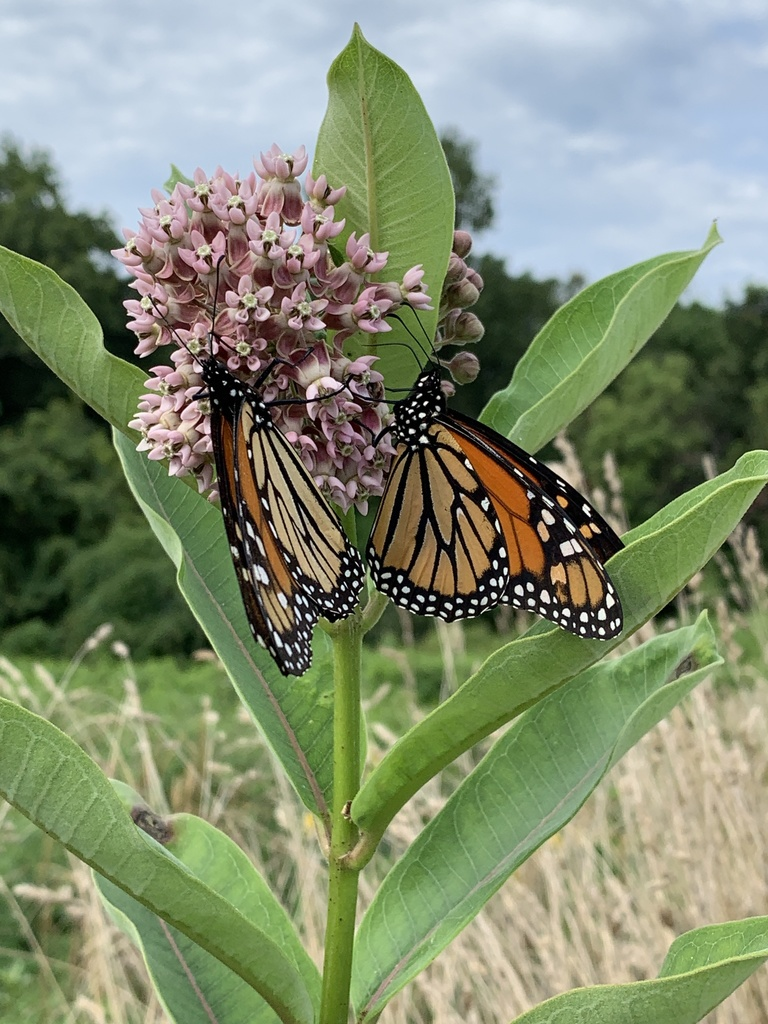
292 559
468 520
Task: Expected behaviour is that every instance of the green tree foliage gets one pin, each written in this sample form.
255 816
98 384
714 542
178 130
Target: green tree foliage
746 328
700 384
34 221
512 310
650 423
76 551
474 191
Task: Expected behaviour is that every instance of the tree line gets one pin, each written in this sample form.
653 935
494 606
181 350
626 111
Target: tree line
76 551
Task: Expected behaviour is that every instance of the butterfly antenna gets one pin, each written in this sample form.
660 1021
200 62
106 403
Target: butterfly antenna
394 344
428 352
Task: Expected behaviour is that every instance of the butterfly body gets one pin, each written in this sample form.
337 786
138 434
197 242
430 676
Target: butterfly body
468 520
292 558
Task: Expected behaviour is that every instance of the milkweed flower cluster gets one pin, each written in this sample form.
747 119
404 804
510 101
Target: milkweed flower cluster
241 269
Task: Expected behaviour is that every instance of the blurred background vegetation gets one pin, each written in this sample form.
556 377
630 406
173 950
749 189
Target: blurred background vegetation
76 552
601 900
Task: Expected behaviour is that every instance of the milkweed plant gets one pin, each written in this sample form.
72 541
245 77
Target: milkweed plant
333 272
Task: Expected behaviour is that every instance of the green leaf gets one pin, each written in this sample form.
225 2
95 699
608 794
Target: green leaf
587 343
702 968
175 177
191 983
660 557
55 784
57 325
377 139
295 715
192 986
533 780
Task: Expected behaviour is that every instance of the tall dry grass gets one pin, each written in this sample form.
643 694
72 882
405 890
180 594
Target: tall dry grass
674 839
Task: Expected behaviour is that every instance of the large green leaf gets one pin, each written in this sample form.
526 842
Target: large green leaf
587 343
57 786
295 715
702 968
377 139
660 557
192 984
527 787
58 326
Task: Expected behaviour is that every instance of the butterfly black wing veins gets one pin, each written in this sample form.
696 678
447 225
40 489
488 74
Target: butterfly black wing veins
468 520
569 585
436 547
292 558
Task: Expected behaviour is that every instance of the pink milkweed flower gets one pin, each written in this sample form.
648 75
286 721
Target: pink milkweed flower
165 222
412 289
298 260
241 270
232 199
203 256
345 282
268 239
248 303
300 313
362 257
320 192
279 191
369 311
321 223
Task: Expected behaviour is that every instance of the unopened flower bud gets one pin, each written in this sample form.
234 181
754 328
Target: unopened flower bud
464 367
460 327
474 278
456 270
462 243
469 329
460 295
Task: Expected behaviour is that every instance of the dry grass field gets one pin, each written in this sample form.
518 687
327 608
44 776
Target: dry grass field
675 838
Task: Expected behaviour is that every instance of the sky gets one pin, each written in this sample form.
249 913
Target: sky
615 131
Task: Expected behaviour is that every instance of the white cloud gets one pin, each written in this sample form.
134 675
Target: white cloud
615 131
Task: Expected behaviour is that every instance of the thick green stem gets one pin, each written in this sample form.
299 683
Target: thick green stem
342 882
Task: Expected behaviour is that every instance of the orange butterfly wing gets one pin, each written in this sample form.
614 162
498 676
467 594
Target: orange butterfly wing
436 548
554 568
468 520
600 536
292 559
